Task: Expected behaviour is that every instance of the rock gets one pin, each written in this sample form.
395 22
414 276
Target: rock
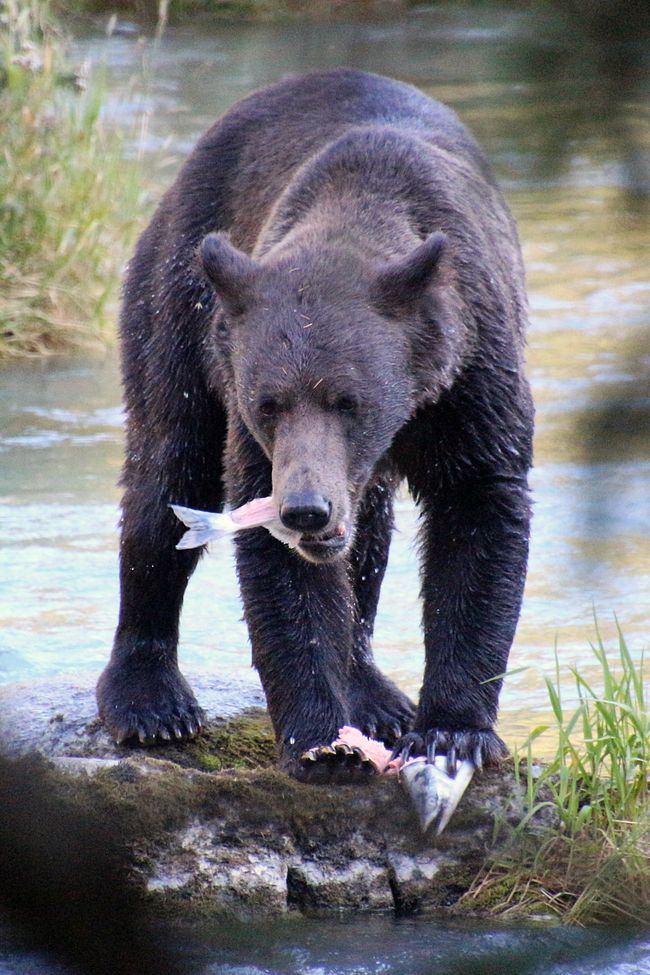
213 826
58 716
84 766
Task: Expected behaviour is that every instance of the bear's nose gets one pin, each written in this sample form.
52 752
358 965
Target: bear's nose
305 511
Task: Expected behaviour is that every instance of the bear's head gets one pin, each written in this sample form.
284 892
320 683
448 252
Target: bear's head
329 354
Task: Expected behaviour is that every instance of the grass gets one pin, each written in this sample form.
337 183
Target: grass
590 863
599 777
68 201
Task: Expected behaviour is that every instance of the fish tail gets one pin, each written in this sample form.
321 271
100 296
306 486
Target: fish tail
204 526
200 531
191 517
196 537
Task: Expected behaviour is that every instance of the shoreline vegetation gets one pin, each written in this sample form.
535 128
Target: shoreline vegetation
590 863
69 201
174 11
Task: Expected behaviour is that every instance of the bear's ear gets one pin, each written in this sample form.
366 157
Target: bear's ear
231 272
404 281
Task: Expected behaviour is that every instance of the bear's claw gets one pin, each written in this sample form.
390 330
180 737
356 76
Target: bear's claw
334 763
147 709
480 746
378 708
152 729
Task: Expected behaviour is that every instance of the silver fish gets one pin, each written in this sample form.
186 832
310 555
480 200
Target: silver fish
207 526
434 793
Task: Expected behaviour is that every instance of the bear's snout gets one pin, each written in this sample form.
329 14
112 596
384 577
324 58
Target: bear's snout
305 511
310 482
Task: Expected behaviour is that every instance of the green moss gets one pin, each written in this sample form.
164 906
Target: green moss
245 742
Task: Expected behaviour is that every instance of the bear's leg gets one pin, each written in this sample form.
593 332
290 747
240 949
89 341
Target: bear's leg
142 694
377 706
299 618
475 549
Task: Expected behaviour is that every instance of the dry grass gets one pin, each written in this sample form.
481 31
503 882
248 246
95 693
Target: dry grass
68 201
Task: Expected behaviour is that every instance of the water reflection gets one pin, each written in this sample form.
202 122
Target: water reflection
596 55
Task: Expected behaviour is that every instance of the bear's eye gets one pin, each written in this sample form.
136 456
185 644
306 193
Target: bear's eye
269 406
346 403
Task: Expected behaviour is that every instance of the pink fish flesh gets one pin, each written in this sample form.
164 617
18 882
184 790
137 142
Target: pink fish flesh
375 751
206 526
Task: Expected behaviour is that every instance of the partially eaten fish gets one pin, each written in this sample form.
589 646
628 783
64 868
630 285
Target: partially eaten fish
435 793
206 526
375 751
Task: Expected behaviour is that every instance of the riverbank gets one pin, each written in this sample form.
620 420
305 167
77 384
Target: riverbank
593 865
69 200
210 827
72 199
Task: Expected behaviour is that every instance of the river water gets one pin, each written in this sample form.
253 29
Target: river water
571 154
389 946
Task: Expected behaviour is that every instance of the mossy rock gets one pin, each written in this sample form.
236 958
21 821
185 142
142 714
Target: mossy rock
244 742
213 826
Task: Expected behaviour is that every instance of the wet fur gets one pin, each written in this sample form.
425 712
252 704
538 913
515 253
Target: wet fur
357 203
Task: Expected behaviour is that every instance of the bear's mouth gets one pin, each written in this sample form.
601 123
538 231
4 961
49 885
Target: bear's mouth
322 548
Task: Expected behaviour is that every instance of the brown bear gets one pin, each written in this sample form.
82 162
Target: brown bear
328 302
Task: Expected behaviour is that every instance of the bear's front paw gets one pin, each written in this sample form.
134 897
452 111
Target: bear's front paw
337 764
147 706
479 746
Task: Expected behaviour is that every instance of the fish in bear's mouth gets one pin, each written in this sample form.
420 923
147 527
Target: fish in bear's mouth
206 526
